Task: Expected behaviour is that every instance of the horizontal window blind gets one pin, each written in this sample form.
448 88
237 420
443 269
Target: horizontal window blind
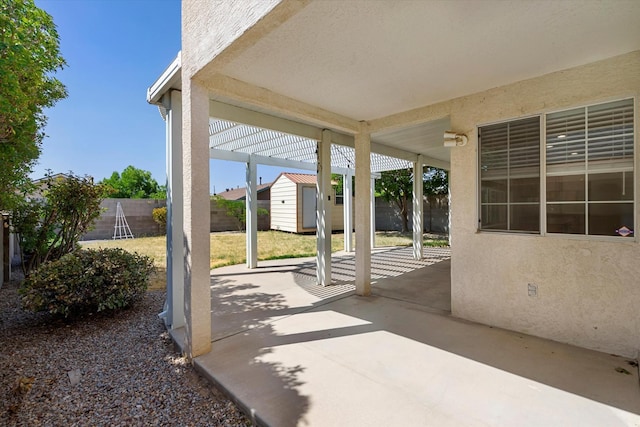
589 172
610 131
512 148
510 175
589 169
600 133
566 138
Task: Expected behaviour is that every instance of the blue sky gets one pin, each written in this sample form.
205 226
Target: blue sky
114 50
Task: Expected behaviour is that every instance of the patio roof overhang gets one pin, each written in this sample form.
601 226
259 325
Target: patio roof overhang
239 134
384 77
294 65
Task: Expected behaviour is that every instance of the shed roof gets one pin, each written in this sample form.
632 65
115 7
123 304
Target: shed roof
299 178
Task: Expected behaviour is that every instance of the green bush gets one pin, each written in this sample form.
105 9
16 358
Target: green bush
237 210
51 226
87 281
160 217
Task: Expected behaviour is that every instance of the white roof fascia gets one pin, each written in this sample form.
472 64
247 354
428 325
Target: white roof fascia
171 75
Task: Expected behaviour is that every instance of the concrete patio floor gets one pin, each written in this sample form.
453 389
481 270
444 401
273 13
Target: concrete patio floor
292 353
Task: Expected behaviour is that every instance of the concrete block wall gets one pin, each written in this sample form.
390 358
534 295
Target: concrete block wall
435 218
138 213
220 221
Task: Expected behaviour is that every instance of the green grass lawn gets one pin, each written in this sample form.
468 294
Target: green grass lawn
229 248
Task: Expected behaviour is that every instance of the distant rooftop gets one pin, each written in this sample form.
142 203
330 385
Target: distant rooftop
240 193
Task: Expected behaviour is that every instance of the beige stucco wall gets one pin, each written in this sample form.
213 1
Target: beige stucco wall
202 40
588 289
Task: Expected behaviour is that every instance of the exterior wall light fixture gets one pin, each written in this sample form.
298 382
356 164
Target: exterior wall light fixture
454 139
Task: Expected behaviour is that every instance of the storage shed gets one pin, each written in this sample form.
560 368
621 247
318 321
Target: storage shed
293 204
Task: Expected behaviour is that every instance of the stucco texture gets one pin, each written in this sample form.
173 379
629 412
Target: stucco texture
588 288
210 27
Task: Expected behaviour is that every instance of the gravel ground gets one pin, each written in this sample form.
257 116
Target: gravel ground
108 369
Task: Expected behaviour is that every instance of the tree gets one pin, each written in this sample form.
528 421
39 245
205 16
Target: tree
337 181
29 54
133 183
436 184
397 187
50 227
436 181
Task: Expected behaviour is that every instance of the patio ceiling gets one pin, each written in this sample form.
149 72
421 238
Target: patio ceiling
366 60
235 140
335 64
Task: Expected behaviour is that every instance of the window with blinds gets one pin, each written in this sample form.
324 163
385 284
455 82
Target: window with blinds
510 176
590 170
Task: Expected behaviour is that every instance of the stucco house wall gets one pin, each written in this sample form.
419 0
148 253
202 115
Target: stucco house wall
588 288
337 214
236 17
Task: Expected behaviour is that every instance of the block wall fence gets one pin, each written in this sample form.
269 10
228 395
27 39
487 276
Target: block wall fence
138 213
435 215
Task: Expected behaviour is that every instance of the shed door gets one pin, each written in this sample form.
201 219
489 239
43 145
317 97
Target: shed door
308 207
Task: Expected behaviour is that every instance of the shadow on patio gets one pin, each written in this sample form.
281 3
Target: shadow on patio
292 353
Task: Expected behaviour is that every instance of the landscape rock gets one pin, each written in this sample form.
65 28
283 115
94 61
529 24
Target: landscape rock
109 369
74 377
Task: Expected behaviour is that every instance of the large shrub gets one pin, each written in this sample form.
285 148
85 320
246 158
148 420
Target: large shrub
50 226
160 217
87 281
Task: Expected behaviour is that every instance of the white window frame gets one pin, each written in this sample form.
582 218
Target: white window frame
543 177
479 177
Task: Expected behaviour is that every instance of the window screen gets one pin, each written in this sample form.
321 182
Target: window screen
589 170
510 176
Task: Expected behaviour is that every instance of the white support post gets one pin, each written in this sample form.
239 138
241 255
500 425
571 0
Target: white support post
252 215
323 206
195 163
418 210
449 209
175 234
347 191
373 212
363 210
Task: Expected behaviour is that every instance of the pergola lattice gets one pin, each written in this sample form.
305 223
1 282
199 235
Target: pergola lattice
225 135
